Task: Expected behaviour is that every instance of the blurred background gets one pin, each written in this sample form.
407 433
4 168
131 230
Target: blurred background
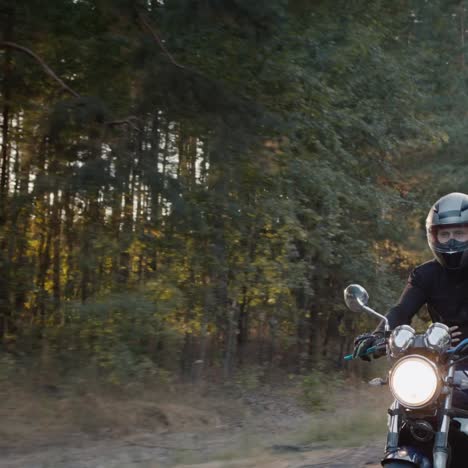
187 186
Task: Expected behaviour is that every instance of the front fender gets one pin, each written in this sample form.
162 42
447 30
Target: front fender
407 454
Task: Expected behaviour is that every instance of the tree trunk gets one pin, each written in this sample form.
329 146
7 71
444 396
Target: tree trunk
56 229
243 326
6 115
462 34
232 318
314 335
70 240
44 262
5 277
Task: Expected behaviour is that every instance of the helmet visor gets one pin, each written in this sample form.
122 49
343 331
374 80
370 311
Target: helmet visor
449 238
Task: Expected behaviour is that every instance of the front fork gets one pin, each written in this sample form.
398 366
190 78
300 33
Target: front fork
440 452
393 435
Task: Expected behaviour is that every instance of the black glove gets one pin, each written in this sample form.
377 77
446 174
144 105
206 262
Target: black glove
362 343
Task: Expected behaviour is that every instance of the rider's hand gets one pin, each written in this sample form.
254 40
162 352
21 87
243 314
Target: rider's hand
454 333
362 343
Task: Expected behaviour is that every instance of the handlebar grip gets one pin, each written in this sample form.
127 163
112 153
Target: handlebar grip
371 350
459 347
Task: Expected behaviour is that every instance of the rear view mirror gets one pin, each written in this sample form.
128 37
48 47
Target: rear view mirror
356 297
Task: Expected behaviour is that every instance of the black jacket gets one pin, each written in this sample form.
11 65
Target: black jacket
444 291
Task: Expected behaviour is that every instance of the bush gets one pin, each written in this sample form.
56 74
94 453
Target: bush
319 388
117 339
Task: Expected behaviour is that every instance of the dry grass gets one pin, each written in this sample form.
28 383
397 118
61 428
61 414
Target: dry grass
358 415
29 418
261 461
32 419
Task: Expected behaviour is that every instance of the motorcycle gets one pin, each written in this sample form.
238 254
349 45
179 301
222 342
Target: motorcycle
426 429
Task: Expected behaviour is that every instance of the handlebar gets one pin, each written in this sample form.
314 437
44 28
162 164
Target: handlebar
459 347
371 350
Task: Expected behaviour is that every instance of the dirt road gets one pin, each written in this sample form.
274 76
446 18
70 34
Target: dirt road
146 453
263 429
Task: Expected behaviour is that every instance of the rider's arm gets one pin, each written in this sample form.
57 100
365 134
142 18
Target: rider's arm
414 296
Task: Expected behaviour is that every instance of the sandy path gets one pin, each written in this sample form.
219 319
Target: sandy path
251 434
142 454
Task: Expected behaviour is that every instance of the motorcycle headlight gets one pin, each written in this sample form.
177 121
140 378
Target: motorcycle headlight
415 381
401 339
437 337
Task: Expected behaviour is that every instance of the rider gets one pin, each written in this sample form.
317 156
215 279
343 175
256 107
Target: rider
441 283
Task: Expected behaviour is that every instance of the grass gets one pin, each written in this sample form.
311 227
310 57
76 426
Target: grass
31 418
352 418
346 414
351 415
356 427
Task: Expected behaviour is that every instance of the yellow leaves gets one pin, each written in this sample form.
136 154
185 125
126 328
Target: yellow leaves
444 137
191 327
390 253
271 144
276 144
34 244
166 294
156 233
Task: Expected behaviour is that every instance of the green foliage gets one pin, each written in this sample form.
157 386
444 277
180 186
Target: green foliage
118 339
249 378
226 170
317 388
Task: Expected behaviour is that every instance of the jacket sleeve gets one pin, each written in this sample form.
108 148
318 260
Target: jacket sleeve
414 296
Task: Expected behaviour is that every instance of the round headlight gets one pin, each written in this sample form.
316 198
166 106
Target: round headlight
401 339
415 381
437 337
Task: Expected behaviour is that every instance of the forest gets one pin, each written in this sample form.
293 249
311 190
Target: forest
187 186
